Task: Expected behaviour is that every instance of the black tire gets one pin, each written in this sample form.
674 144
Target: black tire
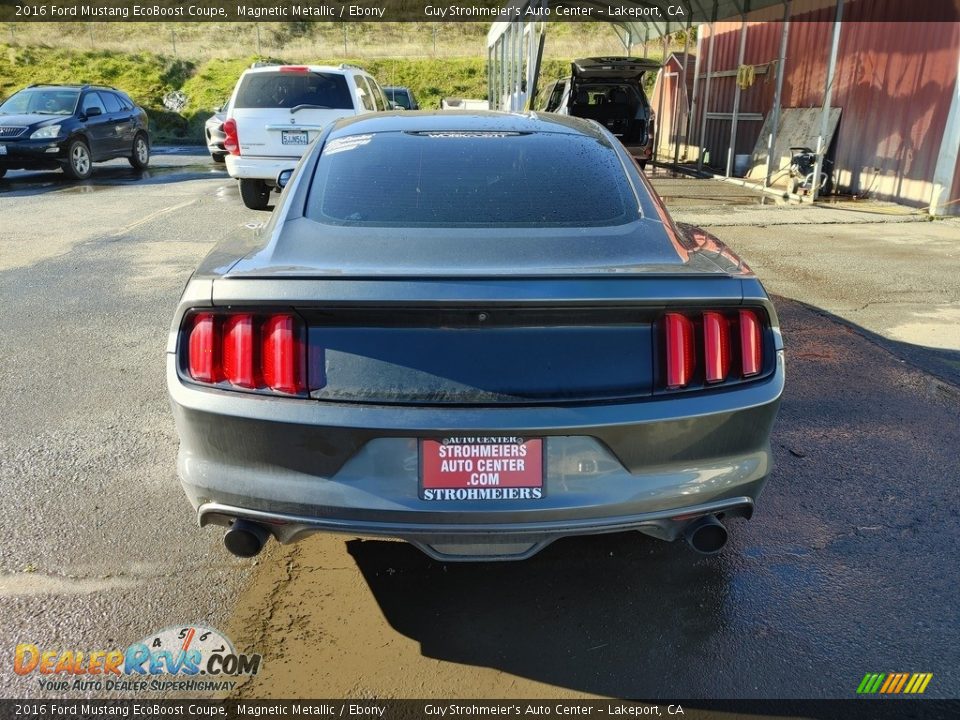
219 157
79 164
3 171
255 193
140 153
642 164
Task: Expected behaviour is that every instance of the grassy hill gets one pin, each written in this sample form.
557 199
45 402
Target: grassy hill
203 60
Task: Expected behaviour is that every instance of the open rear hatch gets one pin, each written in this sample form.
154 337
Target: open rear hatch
613 68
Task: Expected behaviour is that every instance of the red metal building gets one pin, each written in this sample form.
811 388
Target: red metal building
895 83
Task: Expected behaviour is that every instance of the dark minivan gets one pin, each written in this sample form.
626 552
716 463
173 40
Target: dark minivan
45 127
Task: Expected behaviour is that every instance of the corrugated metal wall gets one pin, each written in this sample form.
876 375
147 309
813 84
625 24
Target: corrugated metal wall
894 82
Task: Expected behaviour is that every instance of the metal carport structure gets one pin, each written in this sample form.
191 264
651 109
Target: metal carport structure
515 47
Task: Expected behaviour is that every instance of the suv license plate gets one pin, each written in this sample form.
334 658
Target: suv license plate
481 469
294 137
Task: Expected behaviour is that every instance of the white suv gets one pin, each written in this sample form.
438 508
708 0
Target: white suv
277 110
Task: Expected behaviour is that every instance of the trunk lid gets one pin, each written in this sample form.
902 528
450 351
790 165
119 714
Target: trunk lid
273 133
481 342
308 249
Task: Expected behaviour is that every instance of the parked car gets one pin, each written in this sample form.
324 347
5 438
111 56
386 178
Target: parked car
45 127
401 96
277 110
213 131
478 332
610 91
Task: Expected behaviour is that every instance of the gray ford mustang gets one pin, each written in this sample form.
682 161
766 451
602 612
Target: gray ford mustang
477 332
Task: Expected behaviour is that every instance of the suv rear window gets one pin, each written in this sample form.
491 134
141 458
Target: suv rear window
289 89
470 179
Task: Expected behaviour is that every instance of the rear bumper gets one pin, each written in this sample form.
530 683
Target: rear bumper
244 167
302 465
465 542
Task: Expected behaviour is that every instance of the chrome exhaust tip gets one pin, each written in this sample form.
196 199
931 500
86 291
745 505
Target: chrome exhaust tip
245 539
706 535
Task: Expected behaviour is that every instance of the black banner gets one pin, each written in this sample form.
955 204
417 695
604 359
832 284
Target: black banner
664 14
853 709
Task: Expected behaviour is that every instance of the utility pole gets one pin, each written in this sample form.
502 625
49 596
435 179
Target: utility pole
259 49
173 40
344 40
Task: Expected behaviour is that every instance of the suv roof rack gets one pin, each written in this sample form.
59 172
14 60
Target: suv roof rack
82 86
263 63
348 66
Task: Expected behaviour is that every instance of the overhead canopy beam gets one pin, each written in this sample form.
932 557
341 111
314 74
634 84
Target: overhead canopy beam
778 93
827 97
732 148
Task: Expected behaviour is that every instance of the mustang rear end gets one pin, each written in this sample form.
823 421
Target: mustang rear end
501 341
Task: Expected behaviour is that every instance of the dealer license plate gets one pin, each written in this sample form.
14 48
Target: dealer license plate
481 468
291 137
3 149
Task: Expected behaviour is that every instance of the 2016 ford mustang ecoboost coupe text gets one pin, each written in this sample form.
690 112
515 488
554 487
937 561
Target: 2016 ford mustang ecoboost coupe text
478 332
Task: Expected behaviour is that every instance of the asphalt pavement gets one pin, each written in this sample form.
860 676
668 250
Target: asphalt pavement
848 566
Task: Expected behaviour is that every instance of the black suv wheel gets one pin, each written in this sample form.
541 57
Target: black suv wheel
79 164
140 158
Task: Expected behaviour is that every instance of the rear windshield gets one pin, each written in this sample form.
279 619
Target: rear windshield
290 89
46 101
400 179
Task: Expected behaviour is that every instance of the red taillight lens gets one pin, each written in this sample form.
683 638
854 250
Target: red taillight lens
716 346
202 350
680 355
282 357
293 68
237 354
724 361
232 141
250 351
751 347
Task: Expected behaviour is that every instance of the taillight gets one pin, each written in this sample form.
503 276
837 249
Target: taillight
680 356
231 142
237 351
246 350
716 346
709 339
281 361
202 358
751 348
293 68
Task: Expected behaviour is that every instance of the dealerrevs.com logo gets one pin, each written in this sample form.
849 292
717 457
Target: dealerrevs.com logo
199 658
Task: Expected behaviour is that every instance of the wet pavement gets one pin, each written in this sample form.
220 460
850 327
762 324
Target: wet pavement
846 568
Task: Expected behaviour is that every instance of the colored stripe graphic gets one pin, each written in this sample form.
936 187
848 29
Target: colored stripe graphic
903 681
894 683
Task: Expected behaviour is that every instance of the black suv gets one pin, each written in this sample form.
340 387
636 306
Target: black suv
44 127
